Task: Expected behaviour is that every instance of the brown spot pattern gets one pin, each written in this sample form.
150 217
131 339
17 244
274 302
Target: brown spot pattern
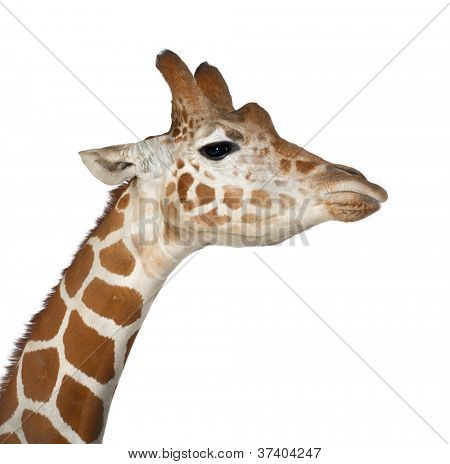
88 351
261 198
9 439
50 318
170 188
39 373
285 165
78 271
189 205
81 409
9 401
205 194
180 164
123 202
184 183
113 221
38 429
121 304
117 259
211 218
286 200
232 197
305 166
249 218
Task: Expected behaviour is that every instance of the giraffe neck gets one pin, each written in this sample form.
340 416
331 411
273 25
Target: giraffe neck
62 383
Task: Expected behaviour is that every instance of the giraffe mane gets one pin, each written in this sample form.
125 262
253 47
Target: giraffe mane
20 343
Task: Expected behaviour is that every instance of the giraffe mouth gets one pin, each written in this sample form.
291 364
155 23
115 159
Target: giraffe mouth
354 199
358 186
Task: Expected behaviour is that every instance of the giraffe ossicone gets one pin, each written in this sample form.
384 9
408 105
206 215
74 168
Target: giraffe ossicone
218 176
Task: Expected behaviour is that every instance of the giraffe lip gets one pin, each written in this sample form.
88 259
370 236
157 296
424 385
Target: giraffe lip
365 191
348 197
350 206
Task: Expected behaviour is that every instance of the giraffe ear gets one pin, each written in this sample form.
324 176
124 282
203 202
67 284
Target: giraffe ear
112 165
213 86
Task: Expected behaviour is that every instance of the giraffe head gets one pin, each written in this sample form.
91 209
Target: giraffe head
226 175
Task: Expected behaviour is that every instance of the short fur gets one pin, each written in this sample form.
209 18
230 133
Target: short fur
114 196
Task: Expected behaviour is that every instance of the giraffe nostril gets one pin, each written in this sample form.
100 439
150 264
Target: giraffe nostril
349 170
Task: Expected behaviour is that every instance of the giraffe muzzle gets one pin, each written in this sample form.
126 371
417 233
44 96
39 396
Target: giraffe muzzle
359 186
349 196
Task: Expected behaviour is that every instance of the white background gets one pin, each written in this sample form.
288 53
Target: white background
229 357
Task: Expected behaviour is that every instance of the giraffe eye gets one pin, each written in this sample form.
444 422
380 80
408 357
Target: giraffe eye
218 150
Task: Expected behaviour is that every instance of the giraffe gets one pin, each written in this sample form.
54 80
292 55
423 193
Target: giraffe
218 176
